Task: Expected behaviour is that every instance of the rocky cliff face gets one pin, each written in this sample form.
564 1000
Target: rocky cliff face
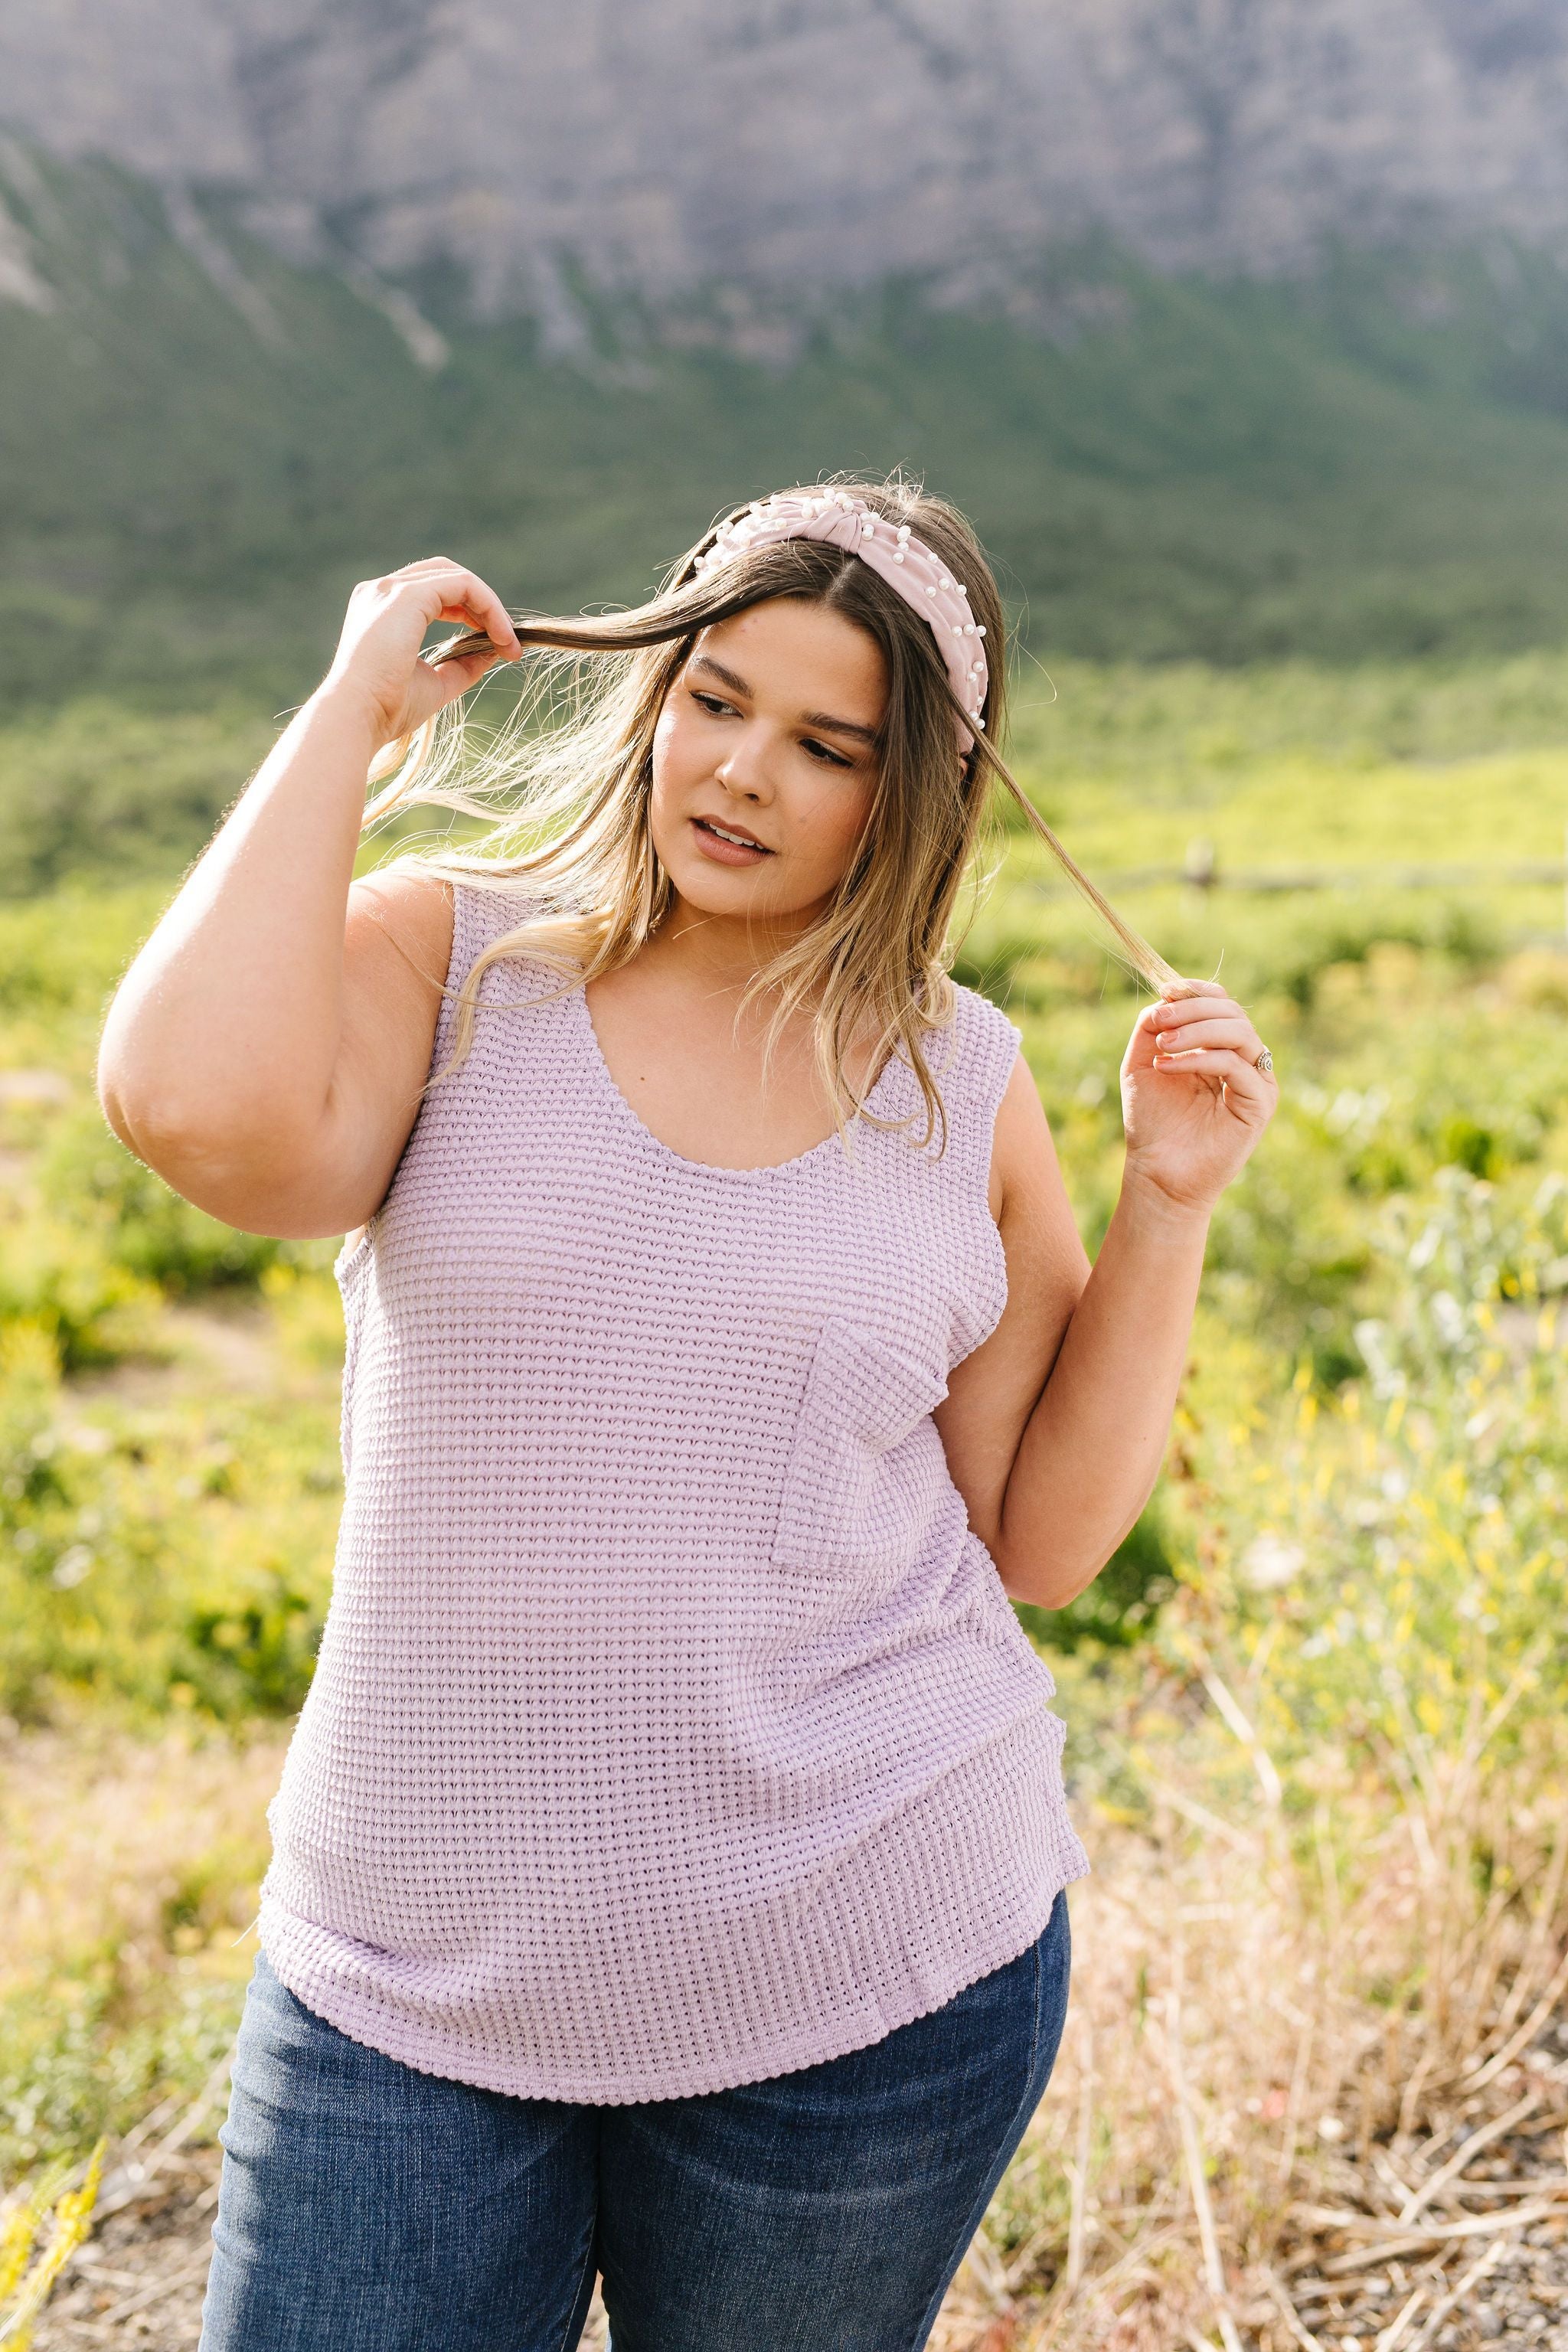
771 145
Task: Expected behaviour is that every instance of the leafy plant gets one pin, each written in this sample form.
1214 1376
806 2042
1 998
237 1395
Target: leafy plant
23 2291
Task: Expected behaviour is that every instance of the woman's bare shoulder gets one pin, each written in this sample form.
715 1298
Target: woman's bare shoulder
409 907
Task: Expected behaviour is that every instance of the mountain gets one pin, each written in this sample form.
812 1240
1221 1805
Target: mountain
788 145
1237 325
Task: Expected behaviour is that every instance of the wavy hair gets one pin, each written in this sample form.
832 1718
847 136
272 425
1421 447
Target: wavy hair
566 783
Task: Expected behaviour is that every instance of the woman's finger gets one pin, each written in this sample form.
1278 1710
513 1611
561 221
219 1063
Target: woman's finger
478 603
1167 1010
1191 1037
484 612
472 642
464 597
1241 1076
455 677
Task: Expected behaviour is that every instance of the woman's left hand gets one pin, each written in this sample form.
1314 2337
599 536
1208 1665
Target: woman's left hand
1193 1099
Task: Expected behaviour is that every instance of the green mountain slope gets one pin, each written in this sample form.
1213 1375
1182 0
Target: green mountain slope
1371 462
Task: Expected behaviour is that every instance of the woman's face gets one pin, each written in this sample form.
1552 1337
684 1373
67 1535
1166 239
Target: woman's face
768 732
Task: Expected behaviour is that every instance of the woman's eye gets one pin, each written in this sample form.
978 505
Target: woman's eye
716 707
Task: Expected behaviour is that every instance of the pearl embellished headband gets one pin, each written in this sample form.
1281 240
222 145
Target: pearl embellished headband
905 563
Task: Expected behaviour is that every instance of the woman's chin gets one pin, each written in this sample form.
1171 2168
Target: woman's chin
753 891
716 890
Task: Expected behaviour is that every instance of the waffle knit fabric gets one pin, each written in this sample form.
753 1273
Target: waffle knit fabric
671 1729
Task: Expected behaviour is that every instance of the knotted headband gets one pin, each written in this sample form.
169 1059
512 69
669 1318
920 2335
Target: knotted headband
905 563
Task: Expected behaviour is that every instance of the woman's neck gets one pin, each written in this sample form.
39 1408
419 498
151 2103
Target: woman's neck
718 953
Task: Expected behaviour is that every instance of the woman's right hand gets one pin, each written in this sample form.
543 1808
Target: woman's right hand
378 653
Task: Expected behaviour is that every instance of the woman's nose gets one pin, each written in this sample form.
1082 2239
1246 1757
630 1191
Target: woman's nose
745 768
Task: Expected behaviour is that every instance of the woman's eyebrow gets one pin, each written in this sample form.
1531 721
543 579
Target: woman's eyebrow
731 678
821 719
837 726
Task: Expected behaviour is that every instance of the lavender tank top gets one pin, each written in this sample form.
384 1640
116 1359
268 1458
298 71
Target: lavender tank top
670 1729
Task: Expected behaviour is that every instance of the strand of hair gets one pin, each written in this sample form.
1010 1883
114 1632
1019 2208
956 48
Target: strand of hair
1146 960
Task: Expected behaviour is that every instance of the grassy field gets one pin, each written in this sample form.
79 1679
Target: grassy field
1316 1741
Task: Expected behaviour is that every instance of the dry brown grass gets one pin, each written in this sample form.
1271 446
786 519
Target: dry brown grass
128 1879
149 1850
1281 2030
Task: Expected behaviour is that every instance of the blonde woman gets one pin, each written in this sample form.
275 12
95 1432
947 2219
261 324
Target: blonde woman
669 1864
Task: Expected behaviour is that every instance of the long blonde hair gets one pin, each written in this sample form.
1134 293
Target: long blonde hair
566 783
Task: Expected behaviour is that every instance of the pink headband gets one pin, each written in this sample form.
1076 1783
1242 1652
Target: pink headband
905 563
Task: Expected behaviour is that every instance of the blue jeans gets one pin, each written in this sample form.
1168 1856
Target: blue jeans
367 2207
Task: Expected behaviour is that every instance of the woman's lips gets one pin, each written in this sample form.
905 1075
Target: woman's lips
722 852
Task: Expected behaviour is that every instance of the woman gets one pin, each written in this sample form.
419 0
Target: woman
669 1862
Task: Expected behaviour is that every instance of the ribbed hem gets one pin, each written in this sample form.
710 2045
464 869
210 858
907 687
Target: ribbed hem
955 1885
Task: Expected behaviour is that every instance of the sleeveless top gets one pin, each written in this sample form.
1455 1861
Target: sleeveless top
670 1728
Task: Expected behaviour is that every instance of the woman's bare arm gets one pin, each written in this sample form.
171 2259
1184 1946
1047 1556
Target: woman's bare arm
1055 1474
991 1394
266 1049
1091 1449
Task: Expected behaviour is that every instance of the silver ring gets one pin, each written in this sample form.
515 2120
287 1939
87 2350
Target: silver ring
1265 1062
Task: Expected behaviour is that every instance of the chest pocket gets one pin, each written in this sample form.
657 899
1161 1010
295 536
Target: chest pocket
866 1468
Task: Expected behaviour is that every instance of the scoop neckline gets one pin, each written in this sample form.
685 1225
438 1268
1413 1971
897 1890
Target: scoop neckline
633 1118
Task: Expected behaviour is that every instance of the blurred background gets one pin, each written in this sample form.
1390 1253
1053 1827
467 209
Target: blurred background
1240 328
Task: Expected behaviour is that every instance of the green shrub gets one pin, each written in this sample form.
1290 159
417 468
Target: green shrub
1399 1551
169 1556
145 1227
55 1277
